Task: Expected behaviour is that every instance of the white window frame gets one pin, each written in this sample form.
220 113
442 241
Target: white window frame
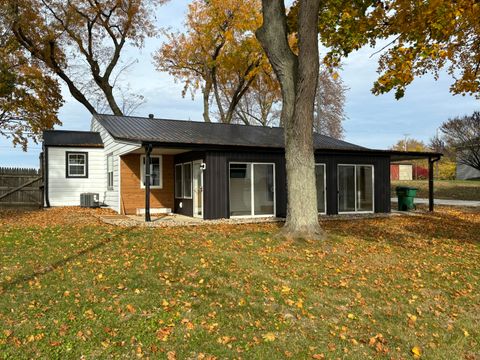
181 181
324 187
356 191
142 171
194 202
252 196
85 164
182 166
111 171
191 180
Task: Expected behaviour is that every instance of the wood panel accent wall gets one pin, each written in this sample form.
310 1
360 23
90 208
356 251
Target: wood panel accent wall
132 196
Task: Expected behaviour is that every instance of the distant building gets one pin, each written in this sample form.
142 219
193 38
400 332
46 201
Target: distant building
407 172
465 172
401 172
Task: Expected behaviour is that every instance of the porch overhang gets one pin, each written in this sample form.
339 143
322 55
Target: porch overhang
396 156
431 157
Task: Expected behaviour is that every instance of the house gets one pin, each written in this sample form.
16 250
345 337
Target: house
207 170
408 172
467 154
401 172
466 172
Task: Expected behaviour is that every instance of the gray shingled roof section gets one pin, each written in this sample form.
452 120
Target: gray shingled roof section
72 138
132 128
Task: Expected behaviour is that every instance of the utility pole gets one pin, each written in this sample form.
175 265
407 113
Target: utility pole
405 142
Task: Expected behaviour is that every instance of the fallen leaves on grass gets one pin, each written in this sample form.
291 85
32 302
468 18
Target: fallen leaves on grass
72 216
269 337
417 352
374 288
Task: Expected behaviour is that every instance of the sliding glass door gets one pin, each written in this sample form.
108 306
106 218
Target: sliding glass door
252 189
364 188
240 189
355 188
320 182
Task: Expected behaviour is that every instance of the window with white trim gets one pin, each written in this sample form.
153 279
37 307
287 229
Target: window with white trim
178 181
156 173
187 180
76 164
183 181
110 171
252 189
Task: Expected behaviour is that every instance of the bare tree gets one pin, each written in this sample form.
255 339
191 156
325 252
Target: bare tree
330 104
81 41
261 103
463 135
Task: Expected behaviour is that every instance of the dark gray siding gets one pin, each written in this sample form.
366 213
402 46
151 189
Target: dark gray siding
381 178
216 192
187 204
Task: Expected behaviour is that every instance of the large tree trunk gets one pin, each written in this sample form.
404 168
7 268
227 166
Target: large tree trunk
112 103
297 77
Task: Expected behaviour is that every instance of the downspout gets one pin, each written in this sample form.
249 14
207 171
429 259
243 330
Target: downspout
148 152
45 175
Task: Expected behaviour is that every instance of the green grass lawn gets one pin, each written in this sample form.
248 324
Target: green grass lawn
444 189
376 288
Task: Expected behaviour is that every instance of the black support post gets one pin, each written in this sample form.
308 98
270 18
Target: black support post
148 152
430 184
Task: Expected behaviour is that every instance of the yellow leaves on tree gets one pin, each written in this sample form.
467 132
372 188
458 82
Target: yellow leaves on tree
29 96
418 37
439 34
218 54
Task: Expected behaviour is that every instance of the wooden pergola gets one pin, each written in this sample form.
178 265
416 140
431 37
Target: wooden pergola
398 156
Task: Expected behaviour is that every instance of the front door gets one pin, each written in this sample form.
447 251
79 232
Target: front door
197 189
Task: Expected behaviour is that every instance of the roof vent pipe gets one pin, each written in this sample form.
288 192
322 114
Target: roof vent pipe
151 116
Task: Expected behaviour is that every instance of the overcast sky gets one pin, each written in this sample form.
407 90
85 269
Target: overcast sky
373 121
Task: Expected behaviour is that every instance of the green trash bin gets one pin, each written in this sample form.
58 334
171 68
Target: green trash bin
406 195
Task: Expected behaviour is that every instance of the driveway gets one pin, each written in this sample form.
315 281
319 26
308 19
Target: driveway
446 202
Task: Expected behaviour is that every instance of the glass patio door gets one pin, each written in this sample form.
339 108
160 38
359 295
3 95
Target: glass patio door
252 189
197 189
355 188
321 187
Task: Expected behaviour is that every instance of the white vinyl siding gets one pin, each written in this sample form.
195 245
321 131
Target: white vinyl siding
65 191
465 172
116 148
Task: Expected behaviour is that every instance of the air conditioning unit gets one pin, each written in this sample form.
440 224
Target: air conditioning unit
89 200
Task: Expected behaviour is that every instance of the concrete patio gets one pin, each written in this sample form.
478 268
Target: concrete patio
176 220
169 220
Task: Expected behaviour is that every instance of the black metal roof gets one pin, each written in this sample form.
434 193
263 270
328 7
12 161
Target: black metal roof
167 131
396 155
72 138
